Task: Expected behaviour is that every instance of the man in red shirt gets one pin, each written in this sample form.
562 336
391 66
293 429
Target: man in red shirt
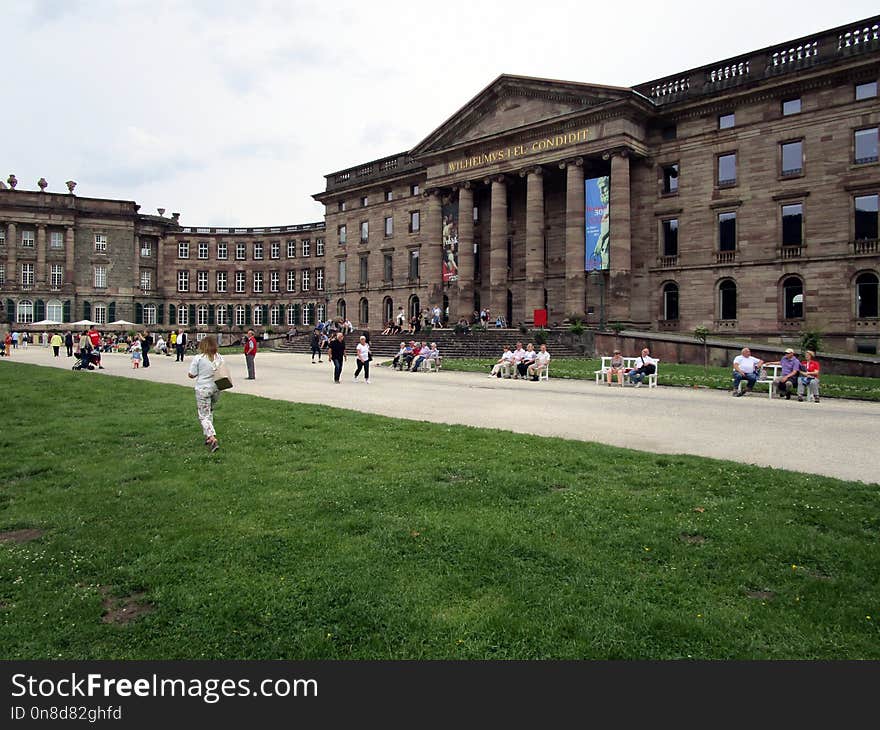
250 351
94 336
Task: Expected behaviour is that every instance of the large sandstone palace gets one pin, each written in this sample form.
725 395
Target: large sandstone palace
742 196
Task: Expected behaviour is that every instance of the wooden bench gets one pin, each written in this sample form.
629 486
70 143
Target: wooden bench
629 363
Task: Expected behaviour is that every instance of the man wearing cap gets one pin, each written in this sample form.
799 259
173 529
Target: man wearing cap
786 381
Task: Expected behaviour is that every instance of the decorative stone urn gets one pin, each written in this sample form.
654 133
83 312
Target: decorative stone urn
12 180
161 211
42 184
71 184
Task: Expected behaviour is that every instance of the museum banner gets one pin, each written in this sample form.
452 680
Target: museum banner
449 213
597 223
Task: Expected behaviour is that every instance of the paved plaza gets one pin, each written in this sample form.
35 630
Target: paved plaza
836 437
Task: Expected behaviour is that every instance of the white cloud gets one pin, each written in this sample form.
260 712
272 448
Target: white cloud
232 113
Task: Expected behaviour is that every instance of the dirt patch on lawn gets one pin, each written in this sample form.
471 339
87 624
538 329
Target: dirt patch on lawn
123 610
692 538
761 595
20 536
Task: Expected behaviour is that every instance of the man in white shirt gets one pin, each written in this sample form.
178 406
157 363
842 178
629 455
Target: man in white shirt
518 354
542 360
644 365
502 366
363 360
180 345
745 367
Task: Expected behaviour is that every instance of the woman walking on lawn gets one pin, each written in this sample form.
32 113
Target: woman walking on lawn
202 369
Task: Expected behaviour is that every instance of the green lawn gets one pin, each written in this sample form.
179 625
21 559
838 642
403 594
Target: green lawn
834 386
321 533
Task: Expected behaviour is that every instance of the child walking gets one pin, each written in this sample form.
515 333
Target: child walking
136 355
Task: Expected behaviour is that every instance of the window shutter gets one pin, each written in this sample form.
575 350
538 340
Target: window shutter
192 315
210 314
10 311
160 314
87 310
111 312
247 315
281 321
230 315
172 314
138 313
39 310
265 315
296 314
66 311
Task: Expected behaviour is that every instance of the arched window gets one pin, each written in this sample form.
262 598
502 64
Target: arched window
792 298
670 301
257 314
867 289
727 299
340 308
364 311
55 310
275 315
387 310
414 306
202 315
239 315
149 314
183 314
25 313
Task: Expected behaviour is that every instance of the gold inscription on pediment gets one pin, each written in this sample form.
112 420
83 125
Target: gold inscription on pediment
513 151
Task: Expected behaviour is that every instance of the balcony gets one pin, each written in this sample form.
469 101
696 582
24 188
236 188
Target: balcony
866 246
724 324
667 262
725 257
792 252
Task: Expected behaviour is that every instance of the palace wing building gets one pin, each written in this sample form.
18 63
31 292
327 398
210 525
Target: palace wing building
742 196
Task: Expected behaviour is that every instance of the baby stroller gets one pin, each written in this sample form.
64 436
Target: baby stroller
88 361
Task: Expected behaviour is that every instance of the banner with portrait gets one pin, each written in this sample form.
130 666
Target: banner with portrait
449 215
597 223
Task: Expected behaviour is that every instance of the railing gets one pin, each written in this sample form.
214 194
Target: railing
666 90
725 257
858 38
792 252
794 55
667 262
725 324
866 245
730 71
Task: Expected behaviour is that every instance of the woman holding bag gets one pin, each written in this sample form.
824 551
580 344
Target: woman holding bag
203 369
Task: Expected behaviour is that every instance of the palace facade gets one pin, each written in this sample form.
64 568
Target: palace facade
742 196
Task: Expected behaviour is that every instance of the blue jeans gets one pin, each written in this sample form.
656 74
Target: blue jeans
750 378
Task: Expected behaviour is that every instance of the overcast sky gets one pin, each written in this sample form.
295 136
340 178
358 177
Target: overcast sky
231 112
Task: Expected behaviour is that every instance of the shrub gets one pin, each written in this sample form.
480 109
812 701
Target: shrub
576 327
811 339
540 336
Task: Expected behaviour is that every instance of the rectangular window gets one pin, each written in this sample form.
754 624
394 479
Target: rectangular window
726 121
342 273
388 267
319 247
306 280
221 282
476 214
27 275
258 252
389 196
203 250
669 132
221 315
291 280
866 145
275 250
182 314
792 155
182 281
56 239
866 91
363 268
791 106
100 313
414 190
727 169
2 235
274 280
100 242
342 235
727 231
866 213
239 315
670 237
222 251
414 264
146 280
291 249
389 226
240 251
670 178
100 277
793 224
414 221
365 201
258 282
201 281
56 276
150 314
183 249
319 279
306 247
240 282
340 206
2 274
365 231
28 239
146 248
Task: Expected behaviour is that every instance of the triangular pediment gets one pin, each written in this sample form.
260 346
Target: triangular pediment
512 102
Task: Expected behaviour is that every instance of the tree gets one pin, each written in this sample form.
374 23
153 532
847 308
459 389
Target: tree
701 333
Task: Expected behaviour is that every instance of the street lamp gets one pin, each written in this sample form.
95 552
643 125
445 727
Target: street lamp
598 276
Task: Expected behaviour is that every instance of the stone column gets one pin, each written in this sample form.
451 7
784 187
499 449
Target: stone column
40 274
12 254
575 237
619 292
498 247
69 253
466 268
431 254
137 265
534 241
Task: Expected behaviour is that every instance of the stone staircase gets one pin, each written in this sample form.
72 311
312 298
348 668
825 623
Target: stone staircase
475 344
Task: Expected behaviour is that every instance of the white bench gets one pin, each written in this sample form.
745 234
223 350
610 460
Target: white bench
771 372
432 364
629 363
